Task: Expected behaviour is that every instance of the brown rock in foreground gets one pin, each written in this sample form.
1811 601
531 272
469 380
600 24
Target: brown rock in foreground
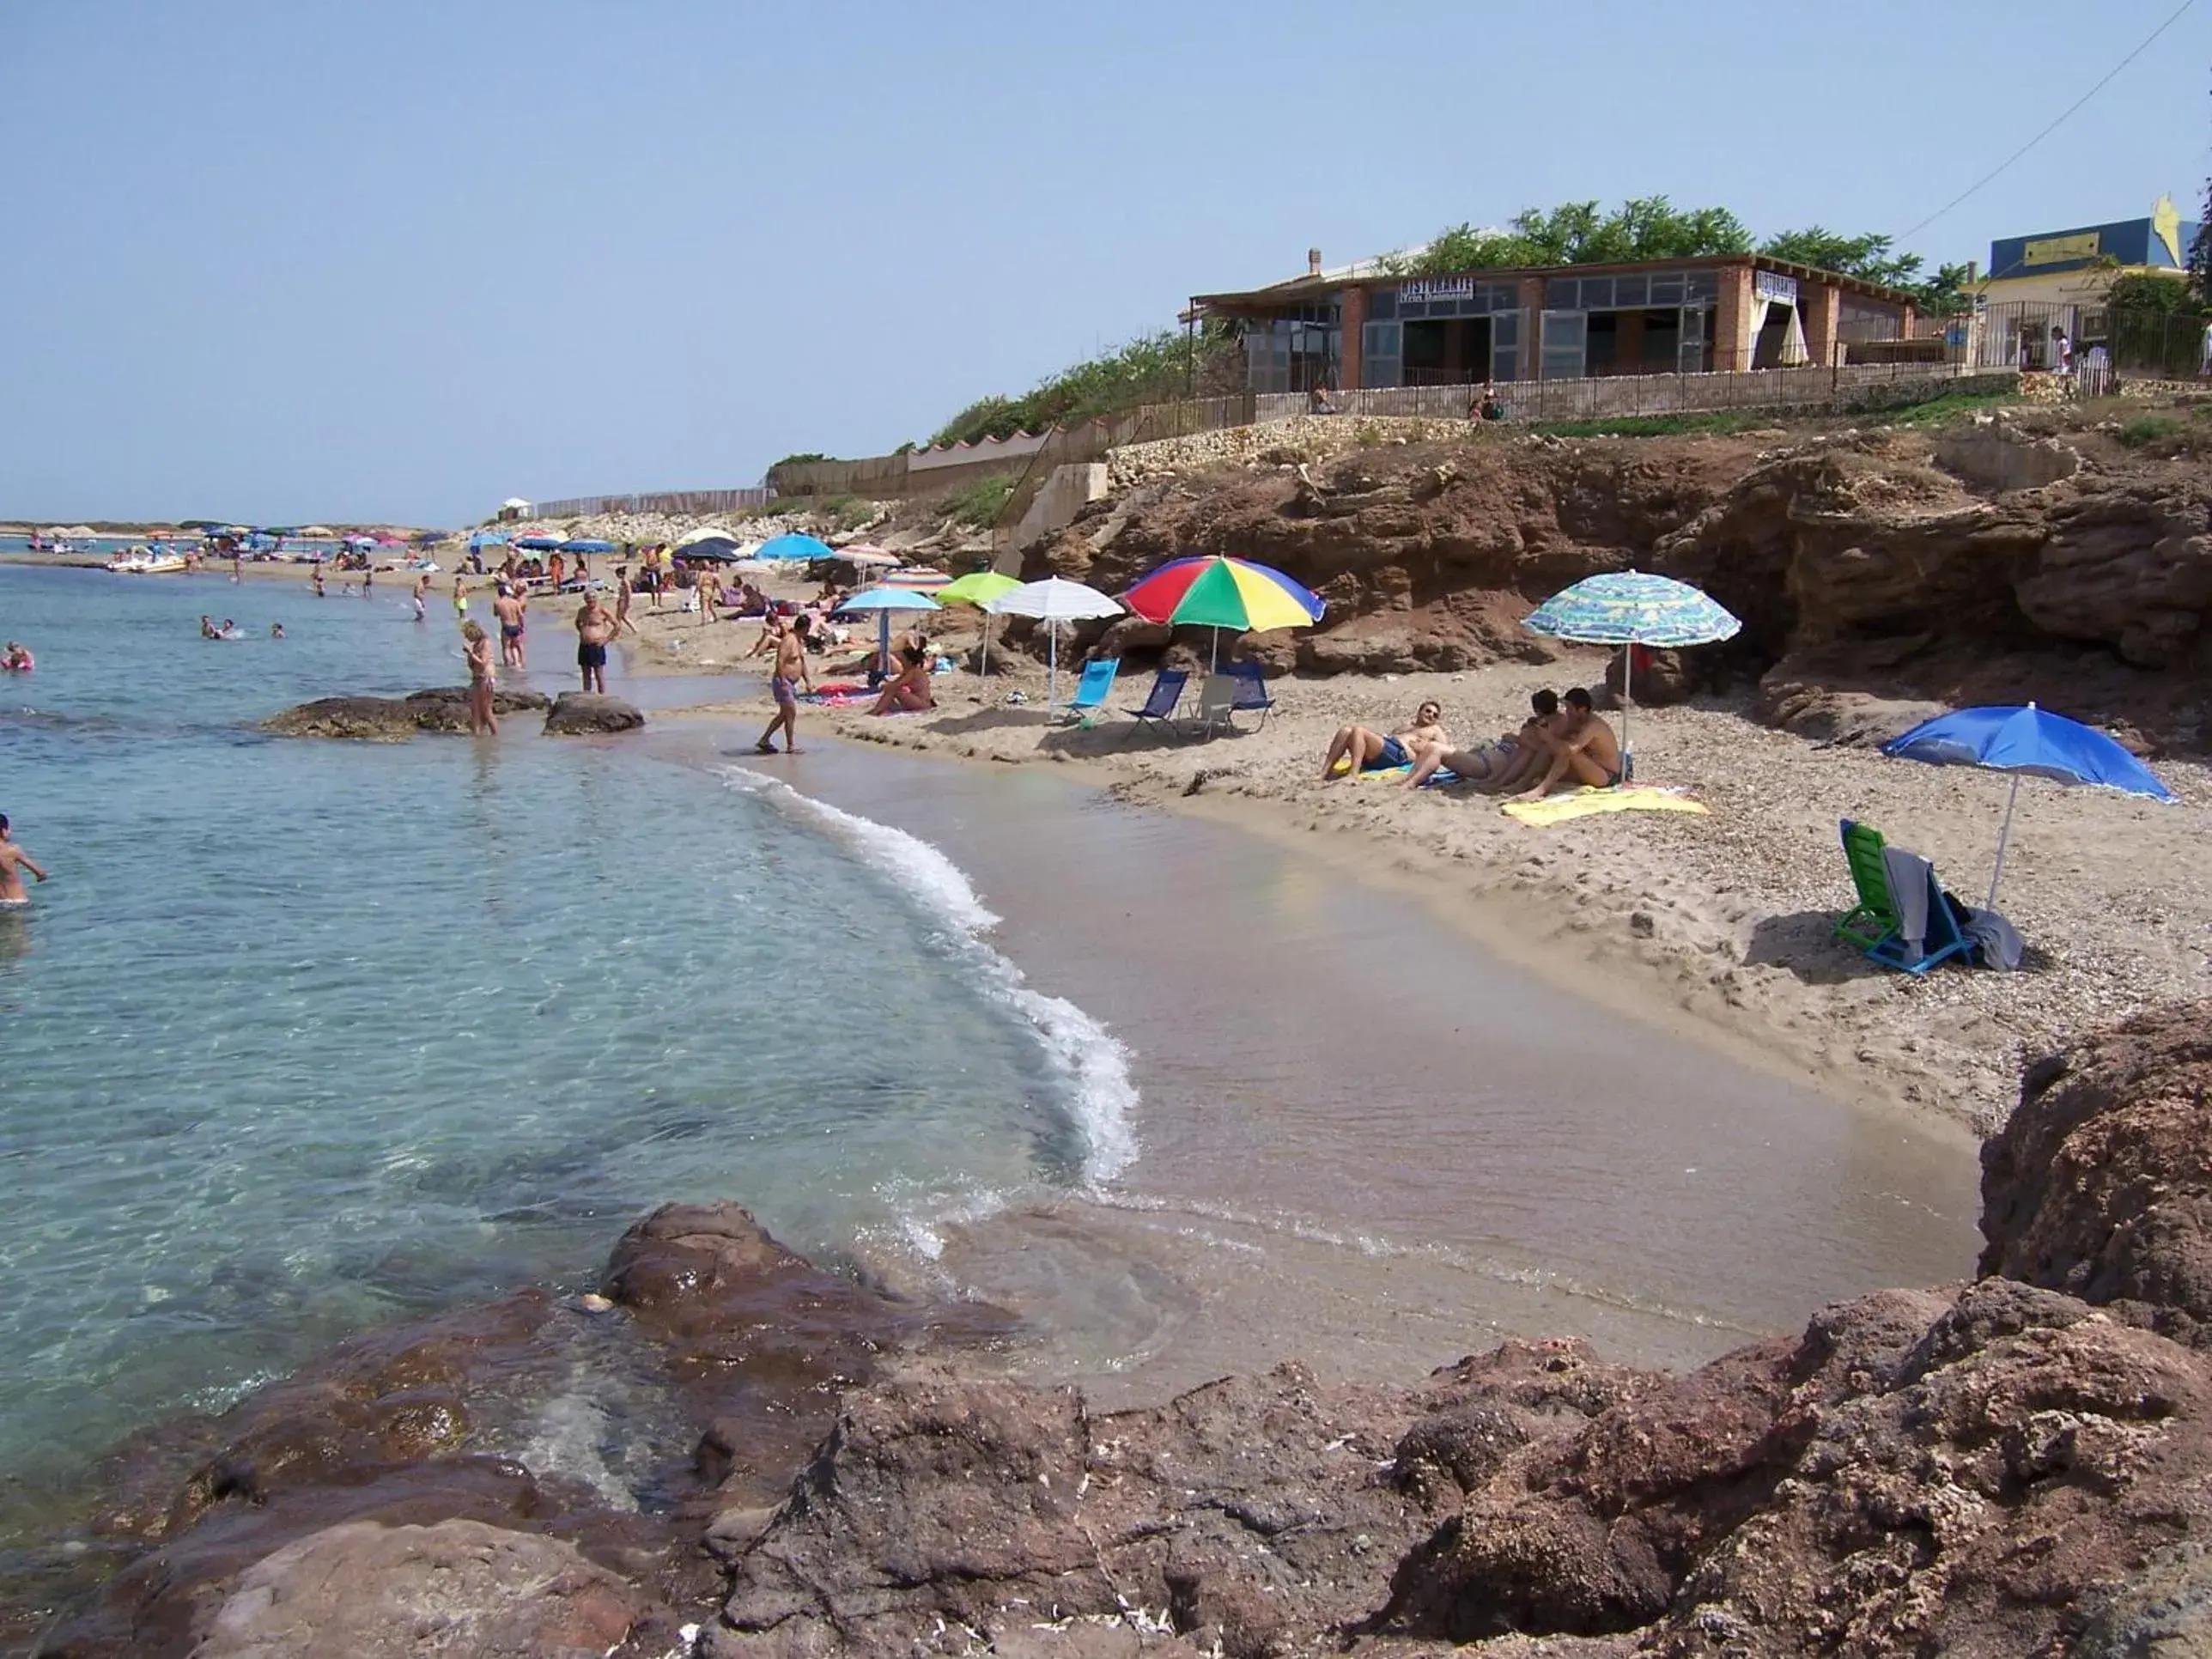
2100 1185
1984 1473
374 1592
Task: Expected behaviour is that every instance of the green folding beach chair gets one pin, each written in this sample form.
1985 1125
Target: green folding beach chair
1875 917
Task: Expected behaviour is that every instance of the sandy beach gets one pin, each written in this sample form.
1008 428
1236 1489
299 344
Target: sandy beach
1720 922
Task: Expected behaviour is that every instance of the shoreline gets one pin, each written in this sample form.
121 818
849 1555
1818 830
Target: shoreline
1719 923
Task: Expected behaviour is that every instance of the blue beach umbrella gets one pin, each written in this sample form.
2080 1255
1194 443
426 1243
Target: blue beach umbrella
882 601
2027 742
587 544
538 544
1630 608
793 547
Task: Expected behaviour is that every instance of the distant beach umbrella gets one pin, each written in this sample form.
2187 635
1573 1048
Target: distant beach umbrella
882 601
793 547
587 544
921 581
1632 608
706 534
538 544
1052 602
2027 742
978 588
1220 593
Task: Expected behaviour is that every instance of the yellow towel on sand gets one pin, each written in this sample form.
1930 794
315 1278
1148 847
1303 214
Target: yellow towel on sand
1587 800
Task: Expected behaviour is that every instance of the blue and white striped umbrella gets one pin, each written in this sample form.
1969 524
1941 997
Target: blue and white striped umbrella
1632 607
1628 608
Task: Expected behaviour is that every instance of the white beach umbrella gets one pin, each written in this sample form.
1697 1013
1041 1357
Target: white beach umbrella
1052 602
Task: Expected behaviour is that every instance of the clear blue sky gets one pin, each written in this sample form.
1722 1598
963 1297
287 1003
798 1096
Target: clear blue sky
302 259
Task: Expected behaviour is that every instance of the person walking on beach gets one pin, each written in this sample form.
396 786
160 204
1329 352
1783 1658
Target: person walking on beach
14 860
595 626
790 674
317 578
510 607
483 680
367 579
622 601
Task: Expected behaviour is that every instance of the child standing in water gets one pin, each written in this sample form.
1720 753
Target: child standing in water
460 595
475 647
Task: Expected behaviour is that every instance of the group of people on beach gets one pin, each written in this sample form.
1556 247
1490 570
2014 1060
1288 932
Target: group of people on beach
1564 741
595 628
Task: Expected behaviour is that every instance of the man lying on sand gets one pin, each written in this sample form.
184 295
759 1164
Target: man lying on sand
1376 751
1509 763
1581 747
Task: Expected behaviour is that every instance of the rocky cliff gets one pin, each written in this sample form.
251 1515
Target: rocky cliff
2018 1466
2029 556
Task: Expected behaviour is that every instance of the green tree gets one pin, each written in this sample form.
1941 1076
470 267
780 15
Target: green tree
1580 234
1872 259
1152 369
2145 294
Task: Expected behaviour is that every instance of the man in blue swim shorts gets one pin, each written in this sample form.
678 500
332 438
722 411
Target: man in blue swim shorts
1358 750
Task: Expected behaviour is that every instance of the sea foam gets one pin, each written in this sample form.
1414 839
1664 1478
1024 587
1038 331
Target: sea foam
1090 1062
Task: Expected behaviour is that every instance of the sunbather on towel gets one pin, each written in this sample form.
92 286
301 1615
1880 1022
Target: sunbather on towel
1581 747
1372 751
1504 764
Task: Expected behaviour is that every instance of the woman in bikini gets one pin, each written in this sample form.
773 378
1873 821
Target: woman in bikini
483 680
1376 751
909 693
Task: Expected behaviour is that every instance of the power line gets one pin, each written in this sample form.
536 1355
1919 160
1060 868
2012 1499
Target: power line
2067 115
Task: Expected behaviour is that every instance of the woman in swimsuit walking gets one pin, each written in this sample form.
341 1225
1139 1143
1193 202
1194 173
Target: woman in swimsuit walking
484 681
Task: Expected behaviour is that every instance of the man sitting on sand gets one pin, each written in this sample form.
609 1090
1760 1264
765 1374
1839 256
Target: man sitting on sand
1581 747
1509 763
1376 751
909 693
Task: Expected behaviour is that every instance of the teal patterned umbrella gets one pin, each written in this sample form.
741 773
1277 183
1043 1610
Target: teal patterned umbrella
1631 607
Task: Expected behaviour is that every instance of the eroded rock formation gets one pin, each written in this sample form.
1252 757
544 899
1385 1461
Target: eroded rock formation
1862 568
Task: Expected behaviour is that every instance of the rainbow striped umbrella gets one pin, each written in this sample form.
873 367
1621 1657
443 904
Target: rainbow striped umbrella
1219 593
920 580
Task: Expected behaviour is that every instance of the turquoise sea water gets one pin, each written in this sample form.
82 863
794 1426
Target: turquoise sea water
303 1036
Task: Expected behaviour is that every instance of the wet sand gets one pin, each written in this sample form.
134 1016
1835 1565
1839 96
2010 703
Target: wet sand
1367 1140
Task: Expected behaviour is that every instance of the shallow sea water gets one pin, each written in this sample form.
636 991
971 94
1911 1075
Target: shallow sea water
303 1036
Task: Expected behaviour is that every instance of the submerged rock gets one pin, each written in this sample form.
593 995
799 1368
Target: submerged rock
581 713
393 720
369 1591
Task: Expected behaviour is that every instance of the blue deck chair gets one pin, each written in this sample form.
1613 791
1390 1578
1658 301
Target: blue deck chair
1944 940
1159 706
1251 689
1096 685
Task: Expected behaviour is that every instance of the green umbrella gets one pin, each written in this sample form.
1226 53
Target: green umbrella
978 588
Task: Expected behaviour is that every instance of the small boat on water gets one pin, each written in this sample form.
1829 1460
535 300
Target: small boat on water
148 562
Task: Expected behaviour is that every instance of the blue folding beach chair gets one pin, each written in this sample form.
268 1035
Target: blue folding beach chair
1251 689
1159 706
1878 907
1097 684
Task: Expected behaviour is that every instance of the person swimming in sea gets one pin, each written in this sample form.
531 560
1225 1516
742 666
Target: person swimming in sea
275 630
17 658
14 860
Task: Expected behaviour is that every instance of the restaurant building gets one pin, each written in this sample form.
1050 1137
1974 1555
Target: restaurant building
1361 329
